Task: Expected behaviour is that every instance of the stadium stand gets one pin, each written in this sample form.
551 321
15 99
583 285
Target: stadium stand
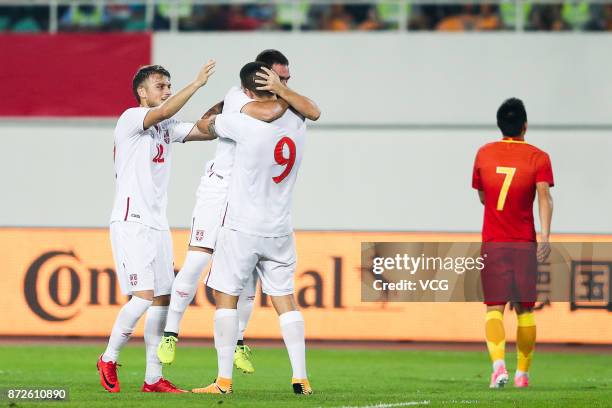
315 15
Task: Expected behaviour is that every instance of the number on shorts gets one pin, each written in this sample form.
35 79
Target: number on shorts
509 172
282 160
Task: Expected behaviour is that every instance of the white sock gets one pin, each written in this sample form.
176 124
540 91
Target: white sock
498 363
184 287
226 335
153 331
245 309
124 325
292 327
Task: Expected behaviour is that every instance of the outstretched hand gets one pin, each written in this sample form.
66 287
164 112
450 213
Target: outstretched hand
206 72
270 81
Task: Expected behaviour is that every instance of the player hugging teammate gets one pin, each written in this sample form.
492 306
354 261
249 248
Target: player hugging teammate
252 235
257 233
211 199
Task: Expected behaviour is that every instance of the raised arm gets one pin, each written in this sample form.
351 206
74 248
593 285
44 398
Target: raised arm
271 82
545 206
174 103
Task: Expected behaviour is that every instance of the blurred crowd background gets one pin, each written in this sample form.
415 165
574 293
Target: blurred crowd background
194 15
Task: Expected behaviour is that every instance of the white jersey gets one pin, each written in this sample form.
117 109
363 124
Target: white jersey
219 170
142 167
267 159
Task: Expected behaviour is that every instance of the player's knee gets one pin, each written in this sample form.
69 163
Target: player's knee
144 294
163 300
523 309
496 308
283 304
225 301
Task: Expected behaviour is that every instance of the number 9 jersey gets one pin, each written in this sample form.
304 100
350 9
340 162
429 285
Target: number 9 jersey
507 172
266 163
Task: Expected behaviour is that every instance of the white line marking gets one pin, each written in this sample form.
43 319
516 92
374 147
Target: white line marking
392 405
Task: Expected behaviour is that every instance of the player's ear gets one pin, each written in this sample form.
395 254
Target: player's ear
249 93
142 92
525 128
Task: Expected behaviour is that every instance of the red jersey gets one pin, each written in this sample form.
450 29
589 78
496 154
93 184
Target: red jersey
507 172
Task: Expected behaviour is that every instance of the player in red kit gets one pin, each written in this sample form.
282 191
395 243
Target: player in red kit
508 174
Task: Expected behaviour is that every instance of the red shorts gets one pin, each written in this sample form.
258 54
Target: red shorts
510 273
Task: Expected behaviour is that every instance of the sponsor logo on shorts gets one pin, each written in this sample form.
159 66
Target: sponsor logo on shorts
135 215
133 279
199 235
166 137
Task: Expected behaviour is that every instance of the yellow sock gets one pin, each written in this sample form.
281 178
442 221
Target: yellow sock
525 340
495 335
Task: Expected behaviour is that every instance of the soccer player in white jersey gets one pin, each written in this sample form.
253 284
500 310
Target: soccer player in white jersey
140 238
257 232
211 199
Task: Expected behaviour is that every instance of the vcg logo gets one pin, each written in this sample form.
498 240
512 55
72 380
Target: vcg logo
57 286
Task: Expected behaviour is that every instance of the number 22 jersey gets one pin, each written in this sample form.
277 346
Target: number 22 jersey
507 172
142 167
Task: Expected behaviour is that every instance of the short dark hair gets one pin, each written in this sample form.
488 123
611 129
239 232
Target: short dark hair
511 117
271 57
143 73
248 77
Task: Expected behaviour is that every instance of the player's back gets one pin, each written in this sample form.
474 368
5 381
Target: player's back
267 159
507 172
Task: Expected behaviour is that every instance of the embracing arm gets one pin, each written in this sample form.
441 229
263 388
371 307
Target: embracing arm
214 110
267 111
304 106
197 135
206 127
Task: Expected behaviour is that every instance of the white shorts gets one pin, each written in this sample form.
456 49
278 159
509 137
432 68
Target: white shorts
250 287
143 258
238 254
207 217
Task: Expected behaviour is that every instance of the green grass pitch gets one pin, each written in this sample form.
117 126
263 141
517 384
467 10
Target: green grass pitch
340 378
